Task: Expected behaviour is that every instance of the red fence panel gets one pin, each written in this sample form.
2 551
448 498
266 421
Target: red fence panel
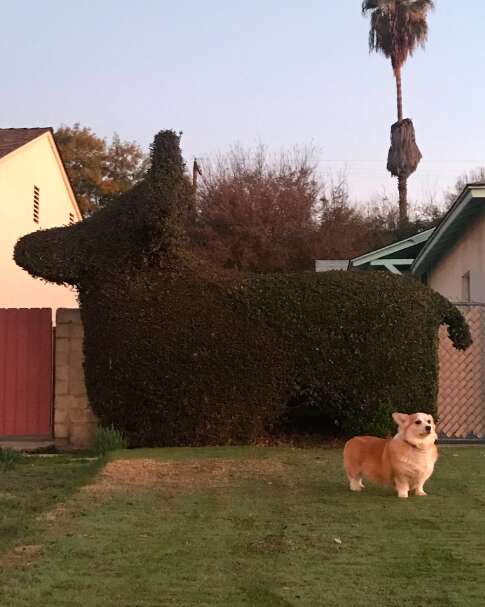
26 368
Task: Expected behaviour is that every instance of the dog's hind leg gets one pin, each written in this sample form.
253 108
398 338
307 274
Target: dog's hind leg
352 466
356 484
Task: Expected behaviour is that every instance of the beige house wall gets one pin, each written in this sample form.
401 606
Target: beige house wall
74 421
36 163
468 255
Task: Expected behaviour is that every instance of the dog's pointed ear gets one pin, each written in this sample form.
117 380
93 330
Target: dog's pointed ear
400 418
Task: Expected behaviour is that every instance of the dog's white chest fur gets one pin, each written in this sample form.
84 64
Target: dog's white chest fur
415 463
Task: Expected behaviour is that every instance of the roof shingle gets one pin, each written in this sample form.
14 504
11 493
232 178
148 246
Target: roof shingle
11 139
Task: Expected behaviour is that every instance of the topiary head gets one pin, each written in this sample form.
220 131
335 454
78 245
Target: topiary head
144 225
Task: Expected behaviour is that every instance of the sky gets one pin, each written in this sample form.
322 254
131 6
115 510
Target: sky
277 72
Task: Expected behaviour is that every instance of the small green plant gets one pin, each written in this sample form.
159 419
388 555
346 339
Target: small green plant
8 459
108 439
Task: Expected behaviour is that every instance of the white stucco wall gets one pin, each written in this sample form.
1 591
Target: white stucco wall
35 163
468 255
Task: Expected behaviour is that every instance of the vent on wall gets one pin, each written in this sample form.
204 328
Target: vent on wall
36 204
71 218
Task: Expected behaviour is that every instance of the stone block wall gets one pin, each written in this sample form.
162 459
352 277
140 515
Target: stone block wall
74 421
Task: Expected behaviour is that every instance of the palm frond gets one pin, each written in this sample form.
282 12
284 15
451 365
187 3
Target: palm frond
397 27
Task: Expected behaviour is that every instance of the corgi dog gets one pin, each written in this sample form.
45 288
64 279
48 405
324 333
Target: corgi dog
404 462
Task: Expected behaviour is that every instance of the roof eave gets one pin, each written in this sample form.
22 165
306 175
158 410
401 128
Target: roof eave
392 248
471 191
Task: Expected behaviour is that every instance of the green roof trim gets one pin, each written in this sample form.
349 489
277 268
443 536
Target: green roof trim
469 204
384 256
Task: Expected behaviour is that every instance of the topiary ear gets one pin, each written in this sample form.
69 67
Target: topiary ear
168 197
167 165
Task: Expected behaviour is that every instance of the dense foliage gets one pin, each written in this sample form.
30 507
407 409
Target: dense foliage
177 354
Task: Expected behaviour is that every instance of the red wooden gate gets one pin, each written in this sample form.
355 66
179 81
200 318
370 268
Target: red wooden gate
26 373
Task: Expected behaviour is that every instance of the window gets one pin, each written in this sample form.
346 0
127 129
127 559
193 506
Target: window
466 293
36 204
71 218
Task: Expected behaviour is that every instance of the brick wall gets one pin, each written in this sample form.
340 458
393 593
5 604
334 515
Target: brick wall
74 421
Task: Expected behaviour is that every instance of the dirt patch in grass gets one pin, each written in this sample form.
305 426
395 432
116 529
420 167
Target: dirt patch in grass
21 556
6 497
300 441
181 476
59 512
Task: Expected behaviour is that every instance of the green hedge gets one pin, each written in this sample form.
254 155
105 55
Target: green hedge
177 355
360 344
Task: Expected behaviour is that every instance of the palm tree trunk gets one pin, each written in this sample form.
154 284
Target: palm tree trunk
402 184
397 75
402 181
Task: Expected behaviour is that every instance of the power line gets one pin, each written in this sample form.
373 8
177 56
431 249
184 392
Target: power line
384 160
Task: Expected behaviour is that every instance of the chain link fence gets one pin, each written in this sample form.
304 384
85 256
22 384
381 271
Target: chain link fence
461 395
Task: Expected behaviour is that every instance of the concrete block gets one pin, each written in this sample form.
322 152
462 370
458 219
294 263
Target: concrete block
62 371
77 386
65 315
76 360
63 330
79 414
61 430
76 344
77 331
62 357
61 386
61 416
62 346
64 402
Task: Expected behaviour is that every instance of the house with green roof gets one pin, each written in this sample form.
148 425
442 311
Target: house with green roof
450 258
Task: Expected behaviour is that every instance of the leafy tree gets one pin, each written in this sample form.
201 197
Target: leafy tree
99 170
258 213
397 28
344 230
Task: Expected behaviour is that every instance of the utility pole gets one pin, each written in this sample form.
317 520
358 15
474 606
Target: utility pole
195 173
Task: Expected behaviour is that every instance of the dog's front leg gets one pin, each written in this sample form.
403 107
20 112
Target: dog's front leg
419 490
402 487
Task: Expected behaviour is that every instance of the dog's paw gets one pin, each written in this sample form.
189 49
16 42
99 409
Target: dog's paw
356 485
421 492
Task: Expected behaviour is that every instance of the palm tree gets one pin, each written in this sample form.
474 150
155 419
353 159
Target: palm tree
397 28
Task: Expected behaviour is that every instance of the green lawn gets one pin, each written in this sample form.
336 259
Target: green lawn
238 526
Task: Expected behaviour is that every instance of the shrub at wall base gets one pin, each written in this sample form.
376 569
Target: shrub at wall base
178 354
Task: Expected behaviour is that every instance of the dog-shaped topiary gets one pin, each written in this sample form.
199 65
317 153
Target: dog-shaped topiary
177 353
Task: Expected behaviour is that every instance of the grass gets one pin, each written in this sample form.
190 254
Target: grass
108 439
8 459
240 527
33 487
